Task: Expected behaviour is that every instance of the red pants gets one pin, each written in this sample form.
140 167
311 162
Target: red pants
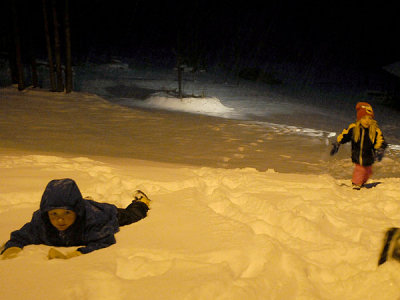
361 174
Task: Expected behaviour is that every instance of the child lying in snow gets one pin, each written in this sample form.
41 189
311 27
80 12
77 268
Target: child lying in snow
66 219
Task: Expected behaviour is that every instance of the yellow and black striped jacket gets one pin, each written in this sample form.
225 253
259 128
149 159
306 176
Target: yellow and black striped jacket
364 142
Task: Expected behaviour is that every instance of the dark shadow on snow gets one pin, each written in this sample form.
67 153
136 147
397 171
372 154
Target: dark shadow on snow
371 185
135 92
367 185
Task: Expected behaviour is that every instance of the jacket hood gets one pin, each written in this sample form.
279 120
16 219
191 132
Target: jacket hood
62 193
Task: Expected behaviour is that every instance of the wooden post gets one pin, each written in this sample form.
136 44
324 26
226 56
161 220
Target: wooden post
57 49
68 58
17 43
48 46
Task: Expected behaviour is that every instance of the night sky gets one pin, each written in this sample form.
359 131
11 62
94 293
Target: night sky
340 32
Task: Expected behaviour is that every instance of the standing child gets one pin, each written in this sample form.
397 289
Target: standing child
65 219
367 144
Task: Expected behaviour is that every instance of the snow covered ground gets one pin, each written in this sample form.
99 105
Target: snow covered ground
247 202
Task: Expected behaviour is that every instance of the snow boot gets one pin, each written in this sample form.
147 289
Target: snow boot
139 196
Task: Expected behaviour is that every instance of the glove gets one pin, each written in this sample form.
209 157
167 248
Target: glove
73 254
379 154
11 252
335 148
54 253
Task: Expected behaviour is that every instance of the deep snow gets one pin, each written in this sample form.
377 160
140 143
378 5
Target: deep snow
247 206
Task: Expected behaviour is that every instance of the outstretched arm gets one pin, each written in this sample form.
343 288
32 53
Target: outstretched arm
11 252
98 244
22 237
380 145
346 134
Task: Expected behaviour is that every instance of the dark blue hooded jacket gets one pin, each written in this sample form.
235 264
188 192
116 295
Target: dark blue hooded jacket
94 227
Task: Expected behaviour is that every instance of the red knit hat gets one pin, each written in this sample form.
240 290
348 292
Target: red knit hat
364 109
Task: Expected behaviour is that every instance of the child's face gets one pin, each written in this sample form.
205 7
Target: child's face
366 121
61 218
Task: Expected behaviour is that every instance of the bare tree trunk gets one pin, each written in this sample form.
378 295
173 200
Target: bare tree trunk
35 78
57 49
12 60
180 69
68 58
48 45
179 64
17 42
30 47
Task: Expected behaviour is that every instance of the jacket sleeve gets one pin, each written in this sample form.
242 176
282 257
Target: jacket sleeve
100 226
379 140
100 233
98 239
346 135
96 245
27 235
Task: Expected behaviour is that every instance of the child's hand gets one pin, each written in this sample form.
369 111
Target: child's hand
379 154
335 148
54 253
73 254
11 252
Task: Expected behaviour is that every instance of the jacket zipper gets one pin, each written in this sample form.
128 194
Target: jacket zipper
62 235
361 145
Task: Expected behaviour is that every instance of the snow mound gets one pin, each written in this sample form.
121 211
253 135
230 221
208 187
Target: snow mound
211 233
208 105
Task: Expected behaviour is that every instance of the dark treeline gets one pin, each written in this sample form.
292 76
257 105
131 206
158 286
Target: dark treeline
219 30
37 32
200 33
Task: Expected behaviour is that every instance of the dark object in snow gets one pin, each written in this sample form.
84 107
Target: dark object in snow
259 75
364 186
391 246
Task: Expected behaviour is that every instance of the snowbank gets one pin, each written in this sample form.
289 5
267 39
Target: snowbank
241 209
211 234
206 105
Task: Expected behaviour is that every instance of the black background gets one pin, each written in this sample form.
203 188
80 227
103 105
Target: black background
348 32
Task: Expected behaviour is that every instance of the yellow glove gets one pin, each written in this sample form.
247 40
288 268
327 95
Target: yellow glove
11 252
73 254
54 253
